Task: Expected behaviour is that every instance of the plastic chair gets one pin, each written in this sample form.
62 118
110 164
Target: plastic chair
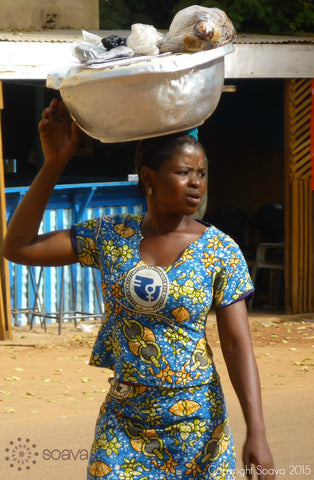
263 251
269 220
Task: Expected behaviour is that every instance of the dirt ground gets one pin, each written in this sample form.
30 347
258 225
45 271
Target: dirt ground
50 397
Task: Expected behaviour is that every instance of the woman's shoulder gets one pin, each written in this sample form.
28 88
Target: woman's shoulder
117 219
108 225
121 226
127 218
216 237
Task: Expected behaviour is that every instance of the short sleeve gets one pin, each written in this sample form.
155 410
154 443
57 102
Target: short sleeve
84 240
232 282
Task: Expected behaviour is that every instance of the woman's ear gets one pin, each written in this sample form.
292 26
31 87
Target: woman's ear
147 175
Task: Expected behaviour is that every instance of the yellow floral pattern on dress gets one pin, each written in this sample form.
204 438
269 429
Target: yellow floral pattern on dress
210 259
118 255
187 288
187 255
163 345
123 230
157 433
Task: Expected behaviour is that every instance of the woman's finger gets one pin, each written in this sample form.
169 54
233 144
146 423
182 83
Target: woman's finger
46 113
52 108
54 103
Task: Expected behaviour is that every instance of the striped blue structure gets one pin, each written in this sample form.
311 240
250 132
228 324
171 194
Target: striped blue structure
54 294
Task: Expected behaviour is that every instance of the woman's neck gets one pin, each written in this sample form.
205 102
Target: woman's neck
154 225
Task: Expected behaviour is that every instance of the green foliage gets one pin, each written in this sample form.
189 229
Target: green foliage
255 16
113 14
264 16
121 14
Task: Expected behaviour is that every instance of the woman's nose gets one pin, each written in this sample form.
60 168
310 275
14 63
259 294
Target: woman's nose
194 179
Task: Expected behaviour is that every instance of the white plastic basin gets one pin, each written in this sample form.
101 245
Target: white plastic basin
143 97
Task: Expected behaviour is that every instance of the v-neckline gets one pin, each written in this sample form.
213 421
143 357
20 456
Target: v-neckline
181 256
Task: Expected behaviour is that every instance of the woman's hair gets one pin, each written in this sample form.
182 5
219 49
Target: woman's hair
152 152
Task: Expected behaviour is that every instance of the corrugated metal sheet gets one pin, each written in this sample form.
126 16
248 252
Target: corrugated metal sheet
47 294
32 55
70 36
273 39
56 36
77 295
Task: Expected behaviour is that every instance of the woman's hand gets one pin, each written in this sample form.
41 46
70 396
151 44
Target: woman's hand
22 244
237 349
59 134
256 452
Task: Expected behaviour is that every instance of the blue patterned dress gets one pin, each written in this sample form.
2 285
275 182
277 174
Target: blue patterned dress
164 417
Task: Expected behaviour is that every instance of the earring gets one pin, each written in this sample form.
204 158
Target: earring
149 191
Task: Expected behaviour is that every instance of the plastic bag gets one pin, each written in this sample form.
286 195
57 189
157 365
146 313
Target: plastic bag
196 28
86 52
144 39
113 41
91 50
91 37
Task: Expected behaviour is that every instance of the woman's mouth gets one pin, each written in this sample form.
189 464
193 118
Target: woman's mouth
194 199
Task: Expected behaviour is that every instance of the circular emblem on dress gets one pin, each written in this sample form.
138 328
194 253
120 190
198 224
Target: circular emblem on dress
147 287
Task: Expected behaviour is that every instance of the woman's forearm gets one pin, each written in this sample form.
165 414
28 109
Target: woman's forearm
239 357
243 373
59 138
238 353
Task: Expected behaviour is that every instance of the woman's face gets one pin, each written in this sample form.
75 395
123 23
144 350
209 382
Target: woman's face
180 182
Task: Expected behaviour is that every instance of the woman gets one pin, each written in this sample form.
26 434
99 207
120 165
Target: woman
164 416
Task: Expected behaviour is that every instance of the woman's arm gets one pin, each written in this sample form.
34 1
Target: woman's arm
22 244
237 349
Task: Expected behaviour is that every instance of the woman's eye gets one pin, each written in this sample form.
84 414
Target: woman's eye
187 172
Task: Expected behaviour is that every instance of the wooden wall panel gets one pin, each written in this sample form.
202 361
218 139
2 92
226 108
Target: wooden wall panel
299 215
5 306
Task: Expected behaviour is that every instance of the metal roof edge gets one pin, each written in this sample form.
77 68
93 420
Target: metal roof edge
55 36
253 57
273 39
71 36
